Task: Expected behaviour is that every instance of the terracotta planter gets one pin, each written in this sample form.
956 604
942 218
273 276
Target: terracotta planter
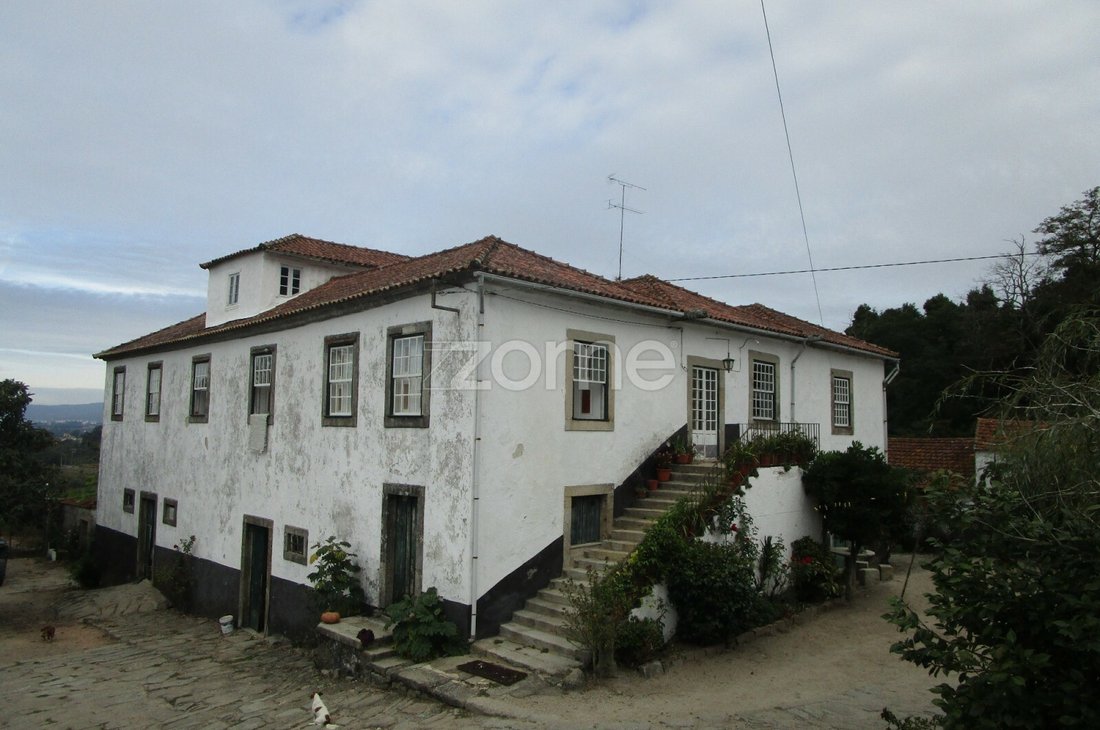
330 617
684 458
652 484
664 474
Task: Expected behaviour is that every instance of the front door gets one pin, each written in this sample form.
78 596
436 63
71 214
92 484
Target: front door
254 576
704 411
147 535
402 545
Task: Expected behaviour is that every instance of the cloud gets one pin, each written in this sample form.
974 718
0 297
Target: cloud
141 139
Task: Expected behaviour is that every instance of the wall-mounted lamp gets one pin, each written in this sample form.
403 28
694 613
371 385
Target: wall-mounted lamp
727 363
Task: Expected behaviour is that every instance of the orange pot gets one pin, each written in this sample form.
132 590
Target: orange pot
330 617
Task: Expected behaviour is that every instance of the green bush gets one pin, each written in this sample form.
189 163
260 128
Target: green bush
714 591
86 571
813 571
421 631
336 577
639 640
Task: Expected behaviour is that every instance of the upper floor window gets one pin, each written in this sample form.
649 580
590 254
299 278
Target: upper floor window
234 289
290 281
589 404
262 386
408 365
842 402
152 392
200 389
590 381
118 393
765 389
341 380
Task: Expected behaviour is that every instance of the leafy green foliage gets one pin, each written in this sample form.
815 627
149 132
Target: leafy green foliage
1016 612
421 630
25 489
862 499
814 574
598 608
335 579
175 578
639 640
714 592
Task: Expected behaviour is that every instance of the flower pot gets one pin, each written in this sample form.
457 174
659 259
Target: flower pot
664 474
684 458
652 484
330 617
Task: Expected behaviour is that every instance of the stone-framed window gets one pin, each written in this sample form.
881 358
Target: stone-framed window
296 544
199 409
408 368
118 393
340 400
128 500
841 403
261 383
153 382
169 512
589 381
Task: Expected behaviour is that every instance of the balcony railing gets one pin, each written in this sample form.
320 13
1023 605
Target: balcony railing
746 432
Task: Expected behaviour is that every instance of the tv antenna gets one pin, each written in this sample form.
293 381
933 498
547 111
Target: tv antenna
621 205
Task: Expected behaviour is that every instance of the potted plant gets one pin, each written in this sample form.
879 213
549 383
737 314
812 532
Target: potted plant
335 579
684 450
652 484
663 458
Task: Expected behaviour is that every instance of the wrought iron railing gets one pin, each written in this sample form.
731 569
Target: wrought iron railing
746 432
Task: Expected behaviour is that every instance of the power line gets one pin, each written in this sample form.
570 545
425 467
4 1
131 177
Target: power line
794 174
860 266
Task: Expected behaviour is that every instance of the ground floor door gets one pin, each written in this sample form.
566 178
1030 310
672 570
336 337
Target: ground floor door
402 545
255 576
704 411
147 535
586 519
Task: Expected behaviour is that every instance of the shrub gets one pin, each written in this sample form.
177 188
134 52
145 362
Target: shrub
813 571
421 631
598 607
639 640
85 570
714 591
175 579
336 578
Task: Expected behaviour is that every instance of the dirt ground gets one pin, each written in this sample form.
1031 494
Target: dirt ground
32 587
837 662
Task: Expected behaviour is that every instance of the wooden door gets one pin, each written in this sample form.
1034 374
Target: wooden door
147 535
403 545
255 576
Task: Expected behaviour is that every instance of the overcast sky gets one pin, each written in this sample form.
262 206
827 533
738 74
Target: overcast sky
138 139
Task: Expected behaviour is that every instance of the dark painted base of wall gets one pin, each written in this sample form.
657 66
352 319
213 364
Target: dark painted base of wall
498 604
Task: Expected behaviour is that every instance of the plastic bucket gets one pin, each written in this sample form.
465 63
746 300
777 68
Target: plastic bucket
226 624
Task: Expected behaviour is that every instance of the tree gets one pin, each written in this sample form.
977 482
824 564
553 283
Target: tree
1016 611
1072 238
24 482
862 499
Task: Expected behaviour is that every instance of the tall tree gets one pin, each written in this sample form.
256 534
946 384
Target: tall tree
24 481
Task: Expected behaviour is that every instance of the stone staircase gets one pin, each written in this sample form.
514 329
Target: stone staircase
535 637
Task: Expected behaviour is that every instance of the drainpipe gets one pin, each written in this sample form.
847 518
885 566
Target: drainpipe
475 477
440 306
885 417
805 344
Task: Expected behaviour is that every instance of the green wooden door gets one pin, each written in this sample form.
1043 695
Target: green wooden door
255 608
403 545
585 519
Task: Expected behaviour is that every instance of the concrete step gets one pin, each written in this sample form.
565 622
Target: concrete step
646 512
606 553
554 593
552 643
627 535
546 605
524 657
597 564
543 622
638 524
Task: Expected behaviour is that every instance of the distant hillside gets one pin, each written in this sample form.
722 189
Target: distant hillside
89 413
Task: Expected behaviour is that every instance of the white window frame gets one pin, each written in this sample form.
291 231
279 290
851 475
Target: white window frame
200 385
261 381
340 399
290 281
764 387
152 394
234 293
118 393
408 377
842 413
590 361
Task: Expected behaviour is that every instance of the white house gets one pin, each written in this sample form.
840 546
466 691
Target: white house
461 418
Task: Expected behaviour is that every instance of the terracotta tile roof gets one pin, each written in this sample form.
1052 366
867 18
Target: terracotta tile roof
930 454
492 255
752 315
314 248
992 433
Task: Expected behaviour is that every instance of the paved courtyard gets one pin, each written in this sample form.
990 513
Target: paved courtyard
120 660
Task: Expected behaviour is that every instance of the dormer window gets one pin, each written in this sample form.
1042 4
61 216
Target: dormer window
234 289
290 281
